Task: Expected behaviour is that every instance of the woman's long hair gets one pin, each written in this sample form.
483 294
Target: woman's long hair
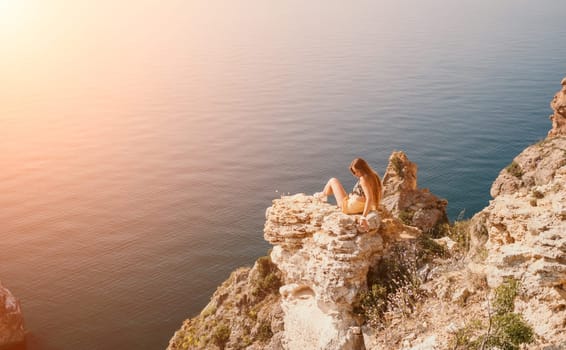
374 181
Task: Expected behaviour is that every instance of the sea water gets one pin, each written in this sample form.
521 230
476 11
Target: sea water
141 142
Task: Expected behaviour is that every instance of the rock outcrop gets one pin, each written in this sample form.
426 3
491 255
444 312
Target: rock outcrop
304 295
402 197
526 229
324 257
558 118
537 165
244 313
11 319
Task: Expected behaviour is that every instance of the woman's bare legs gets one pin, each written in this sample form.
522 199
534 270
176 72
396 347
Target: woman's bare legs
333 186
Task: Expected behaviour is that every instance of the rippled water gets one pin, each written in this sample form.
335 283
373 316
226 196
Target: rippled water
141 143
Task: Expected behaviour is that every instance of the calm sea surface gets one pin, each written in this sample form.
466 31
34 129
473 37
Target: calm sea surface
141 142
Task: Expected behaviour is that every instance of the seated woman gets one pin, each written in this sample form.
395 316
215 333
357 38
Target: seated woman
365 196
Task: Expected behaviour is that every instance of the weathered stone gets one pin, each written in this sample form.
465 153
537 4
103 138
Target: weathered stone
417 207
324 267
536 165
11 319
528 242
558 118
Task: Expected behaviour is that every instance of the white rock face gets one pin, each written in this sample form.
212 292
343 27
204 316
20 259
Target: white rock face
526 226
324 257
558 118
11 319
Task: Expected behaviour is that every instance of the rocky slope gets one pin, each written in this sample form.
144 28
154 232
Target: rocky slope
500 283
520 235
11 319
526 228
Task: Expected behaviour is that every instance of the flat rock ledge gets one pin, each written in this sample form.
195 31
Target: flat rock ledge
11 319
324 256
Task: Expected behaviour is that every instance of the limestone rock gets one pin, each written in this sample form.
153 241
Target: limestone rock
244 311
526 230
558 118
536 165
11 319
417 207
324 256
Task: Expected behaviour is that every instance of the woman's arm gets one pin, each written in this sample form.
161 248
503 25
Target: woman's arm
368 194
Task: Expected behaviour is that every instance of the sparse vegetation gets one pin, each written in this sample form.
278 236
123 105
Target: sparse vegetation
441 229
505 329
221 335
460 233
515 169
264 332
398 165
267 280
406 216
394 283
238 314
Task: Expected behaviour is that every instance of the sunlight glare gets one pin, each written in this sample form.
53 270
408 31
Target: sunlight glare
14 15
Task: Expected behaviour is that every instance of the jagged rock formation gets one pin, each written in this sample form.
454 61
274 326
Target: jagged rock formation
558 118
520 235
305 298
402 197
243 313
535 166
324 257
526 229
11 319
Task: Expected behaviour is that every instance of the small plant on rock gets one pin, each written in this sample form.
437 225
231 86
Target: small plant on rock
515 169
406 216
506 330
398 165
394 286
221 335
267 280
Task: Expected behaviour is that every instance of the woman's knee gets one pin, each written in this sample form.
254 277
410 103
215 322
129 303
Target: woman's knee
333 180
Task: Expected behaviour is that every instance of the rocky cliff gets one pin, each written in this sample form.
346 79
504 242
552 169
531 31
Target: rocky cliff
324 257
11 319
403 199
526 234
497 281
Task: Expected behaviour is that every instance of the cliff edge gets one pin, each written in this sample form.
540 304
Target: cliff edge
496 281
11 319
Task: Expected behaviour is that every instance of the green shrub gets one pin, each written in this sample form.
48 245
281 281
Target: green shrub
221 335
428 249
466 337
510 331
393 286
398 165
441 229
267 280
505 295
515 169
406 216
460 233
373 305
264 332
506 330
